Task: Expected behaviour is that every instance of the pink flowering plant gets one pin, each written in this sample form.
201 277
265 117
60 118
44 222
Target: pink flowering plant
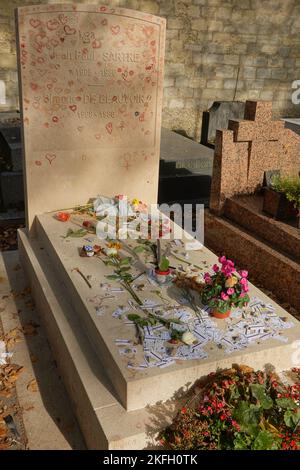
225 288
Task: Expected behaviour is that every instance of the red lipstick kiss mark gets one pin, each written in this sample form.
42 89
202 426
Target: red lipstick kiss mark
35 23
54 42
115 29
52 24
62 18
96 44
55 119
109 127
69 30
34 86
50 157
38 163
73 107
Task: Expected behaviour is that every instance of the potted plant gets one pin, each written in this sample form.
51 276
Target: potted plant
282 198
225 288
162 271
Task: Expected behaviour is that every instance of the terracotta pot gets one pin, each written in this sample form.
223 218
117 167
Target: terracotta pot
162 276
277 205
215 313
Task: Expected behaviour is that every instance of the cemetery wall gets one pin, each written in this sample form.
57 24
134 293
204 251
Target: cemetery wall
215 50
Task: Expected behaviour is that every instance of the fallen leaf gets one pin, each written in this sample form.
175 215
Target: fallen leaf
30 329
32 386
33 358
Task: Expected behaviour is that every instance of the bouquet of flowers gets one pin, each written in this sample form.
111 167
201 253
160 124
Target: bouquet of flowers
225 288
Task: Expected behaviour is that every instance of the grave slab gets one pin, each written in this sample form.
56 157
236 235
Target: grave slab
136 388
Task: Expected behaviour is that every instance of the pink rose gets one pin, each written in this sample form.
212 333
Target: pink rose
242 294
227 270
244 284
216 268
230 291
243 273
207 278
230 263
224 296
222 259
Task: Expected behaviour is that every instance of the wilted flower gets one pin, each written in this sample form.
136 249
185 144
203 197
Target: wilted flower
63 216
231 281
188 338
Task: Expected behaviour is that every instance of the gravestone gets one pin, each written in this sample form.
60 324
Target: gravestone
91 93
217 117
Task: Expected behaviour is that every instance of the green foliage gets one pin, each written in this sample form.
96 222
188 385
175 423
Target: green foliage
290 186
265 440
164 264
259 392
238 409
76 233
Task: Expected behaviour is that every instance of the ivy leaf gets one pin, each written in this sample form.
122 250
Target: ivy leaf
133 317
125 268
139 249
125 261
292 419
248 417
265 440
259 392
112 277
286 403
242 442
76 233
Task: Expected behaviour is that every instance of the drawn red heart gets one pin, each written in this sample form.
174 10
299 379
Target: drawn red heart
52 24
50 157
115 29
35 23
96 44
42 72
69 30
62 18
148 30
58 90
73 107
38 162
54 42
109 127
41 39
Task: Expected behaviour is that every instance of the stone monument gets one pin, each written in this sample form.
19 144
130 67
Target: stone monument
91 92
91 88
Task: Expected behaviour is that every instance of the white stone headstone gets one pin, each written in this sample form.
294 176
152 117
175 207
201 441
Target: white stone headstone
91 97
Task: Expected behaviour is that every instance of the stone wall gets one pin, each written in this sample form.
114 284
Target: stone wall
215 50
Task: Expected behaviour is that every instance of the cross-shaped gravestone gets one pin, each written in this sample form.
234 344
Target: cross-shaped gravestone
258 130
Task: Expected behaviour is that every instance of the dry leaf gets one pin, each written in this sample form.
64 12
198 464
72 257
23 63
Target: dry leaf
30 329
32 386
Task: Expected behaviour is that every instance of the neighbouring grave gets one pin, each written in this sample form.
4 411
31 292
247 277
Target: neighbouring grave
244 153
217 117
114 377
